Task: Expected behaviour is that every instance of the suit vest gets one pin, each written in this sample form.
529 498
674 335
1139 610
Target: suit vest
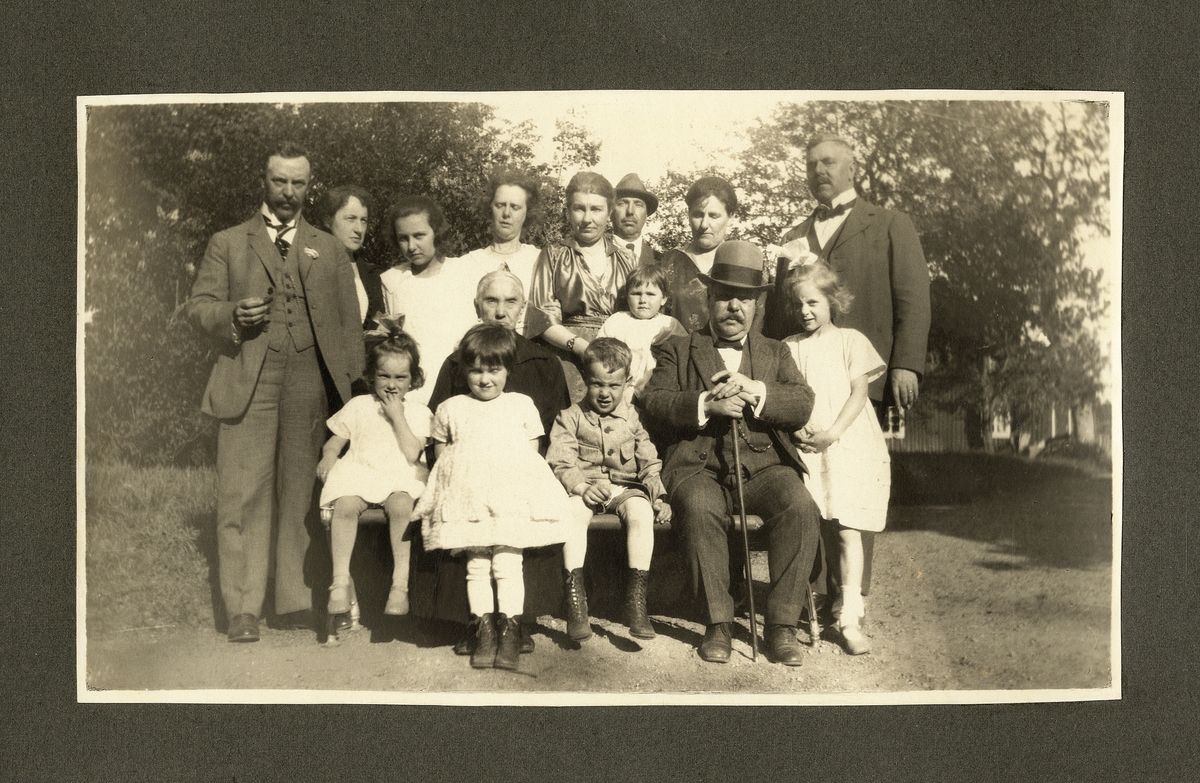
289 310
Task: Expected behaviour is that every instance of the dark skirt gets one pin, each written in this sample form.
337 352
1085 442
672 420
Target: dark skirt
438 583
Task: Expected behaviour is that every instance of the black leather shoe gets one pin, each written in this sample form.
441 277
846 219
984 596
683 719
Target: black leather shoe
466 645
578 627
243 628
508 643
635 605
301 620
484 654
526 639
784 646
717 644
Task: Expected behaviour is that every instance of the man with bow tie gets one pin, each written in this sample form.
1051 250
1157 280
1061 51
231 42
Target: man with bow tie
706 383
277 298
877 254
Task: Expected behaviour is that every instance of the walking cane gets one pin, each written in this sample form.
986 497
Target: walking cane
737 463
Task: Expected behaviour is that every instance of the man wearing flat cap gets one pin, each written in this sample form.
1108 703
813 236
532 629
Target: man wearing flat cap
633 205
724 382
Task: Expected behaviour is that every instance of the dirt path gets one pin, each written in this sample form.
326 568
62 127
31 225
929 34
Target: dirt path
1013 592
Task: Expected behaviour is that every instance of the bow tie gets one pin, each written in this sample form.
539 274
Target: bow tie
732 345
823 212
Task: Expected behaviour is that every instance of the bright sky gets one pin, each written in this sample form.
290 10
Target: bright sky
648 132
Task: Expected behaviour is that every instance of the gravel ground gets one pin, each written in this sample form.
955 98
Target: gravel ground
1006 594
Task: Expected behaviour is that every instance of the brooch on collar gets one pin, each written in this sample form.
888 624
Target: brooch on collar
311 253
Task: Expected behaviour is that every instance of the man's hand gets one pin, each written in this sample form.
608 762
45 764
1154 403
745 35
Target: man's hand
597 494
730 396
904 387
730 384
729 407
662 511
252 311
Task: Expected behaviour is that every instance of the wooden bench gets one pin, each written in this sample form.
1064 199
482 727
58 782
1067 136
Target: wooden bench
375 516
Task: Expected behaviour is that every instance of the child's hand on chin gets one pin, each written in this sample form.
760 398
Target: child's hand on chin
393 406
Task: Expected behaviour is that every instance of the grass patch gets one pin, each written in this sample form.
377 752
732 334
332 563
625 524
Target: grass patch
150 544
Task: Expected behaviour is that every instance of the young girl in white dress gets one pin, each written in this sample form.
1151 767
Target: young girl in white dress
644 325
387 434
490 493
849 471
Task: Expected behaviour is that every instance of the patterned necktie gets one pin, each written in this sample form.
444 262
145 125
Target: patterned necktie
280 229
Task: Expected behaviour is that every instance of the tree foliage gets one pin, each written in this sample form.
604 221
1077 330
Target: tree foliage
162 179
1004 195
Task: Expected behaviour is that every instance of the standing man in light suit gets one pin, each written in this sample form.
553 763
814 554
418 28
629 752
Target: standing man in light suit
633 205
277 298
877 254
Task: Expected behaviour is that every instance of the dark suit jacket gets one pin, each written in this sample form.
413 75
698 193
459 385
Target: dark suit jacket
671 400
878 256
240 262
648 255
369 274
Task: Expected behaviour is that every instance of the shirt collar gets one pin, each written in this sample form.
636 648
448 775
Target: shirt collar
717 338
637 243
609 246
620 412
845 197
266 211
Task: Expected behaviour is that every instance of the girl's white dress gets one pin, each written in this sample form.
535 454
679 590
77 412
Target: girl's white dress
851 480
437 310
490 487
373 466
641 336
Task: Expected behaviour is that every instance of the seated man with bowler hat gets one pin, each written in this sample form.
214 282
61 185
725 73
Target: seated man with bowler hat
633 205
724 382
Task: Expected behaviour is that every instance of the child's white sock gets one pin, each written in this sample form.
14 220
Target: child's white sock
510 580
479 584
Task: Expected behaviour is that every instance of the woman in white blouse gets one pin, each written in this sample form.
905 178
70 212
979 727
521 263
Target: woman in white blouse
513 202
435 294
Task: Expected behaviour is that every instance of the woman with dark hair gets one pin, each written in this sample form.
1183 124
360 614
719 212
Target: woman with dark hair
512 202
345 212
436 296
711 203
577 283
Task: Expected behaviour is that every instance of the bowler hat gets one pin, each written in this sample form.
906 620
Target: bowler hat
631 185
737 264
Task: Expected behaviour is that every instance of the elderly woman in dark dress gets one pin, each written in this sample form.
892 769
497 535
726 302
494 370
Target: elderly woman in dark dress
345 212
712 203
578 283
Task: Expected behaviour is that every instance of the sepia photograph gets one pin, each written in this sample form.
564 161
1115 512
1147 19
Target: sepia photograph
811 400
